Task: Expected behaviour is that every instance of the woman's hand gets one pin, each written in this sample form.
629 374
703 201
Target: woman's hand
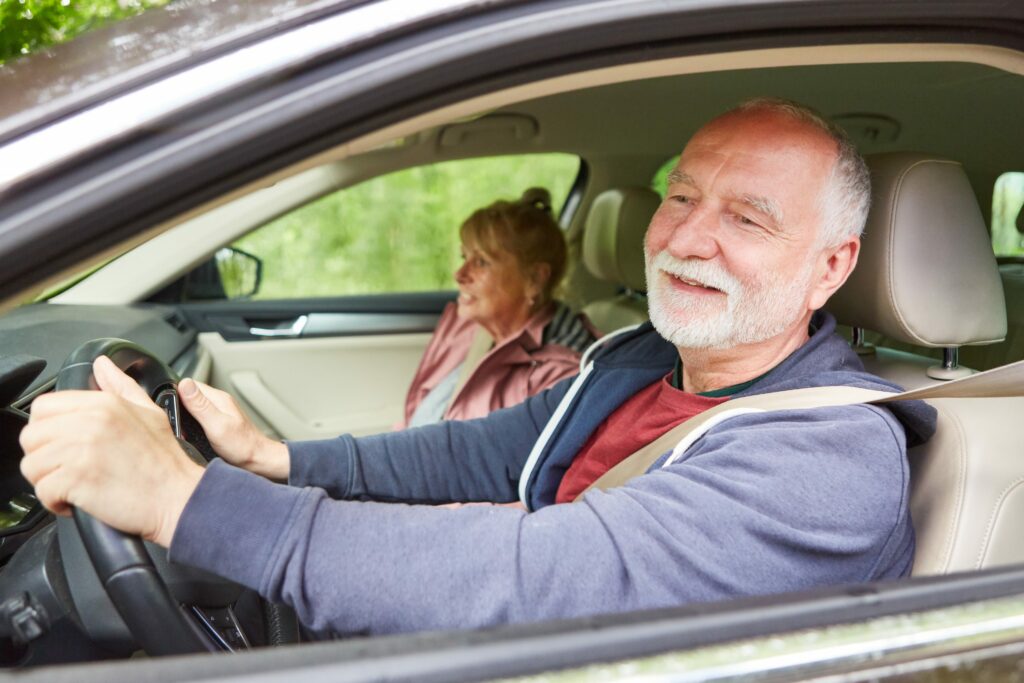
110 453
230 432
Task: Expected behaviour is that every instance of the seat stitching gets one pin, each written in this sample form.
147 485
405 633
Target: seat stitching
986 539
961 478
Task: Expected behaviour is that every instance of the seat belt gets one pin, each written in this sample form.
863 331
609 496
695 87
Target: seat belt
1002 382
478 348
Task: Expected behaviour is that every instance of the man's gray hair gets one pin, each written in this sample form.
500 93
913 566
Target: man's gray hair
847 195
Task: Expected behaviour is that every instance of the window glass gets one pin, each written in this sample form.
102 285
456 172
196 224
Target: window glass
659 183
394 233
1007 199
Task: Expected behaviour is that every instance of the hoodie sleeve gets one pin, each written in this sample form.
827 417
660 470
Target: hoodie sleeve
455 461
759 505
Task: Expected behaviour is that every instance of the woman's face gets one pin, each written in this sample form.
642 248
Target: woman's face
493 291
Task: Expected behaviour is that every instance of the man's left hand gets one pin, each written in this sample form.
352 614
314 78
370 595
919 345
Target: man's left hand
110 453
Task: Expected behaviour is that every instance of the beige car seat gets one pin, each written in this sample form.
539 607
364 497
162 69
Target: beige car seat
613 251
1012 349
927 277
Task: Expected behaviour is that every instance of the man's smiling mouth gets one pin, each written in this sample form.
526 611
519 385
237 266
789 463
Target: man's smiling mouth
694 283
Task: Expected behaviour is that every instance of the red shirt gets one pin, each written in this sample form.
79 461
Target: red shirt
637 422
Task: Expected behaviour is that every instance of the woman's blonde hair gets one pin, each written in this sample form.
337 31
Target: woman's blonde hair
526 229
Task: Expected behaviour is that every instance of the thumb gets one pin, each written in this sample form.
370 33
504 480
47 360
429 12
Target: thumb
111 379
195 400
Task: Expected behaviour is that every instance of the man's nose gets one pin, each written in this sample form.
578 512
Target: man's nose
696 235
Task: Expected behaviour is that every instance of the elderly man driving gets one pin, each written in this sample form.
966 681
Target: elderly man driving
760 226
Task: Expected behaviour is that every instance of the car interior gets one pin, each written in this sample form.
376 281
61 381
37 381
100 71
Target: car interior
929 301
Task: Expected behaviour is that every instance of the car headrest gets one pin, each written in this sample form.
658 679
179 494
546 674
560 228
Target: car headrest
613 241
926 273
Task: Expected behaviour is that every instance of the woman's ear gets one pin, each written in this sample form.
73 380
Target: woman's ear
540 276
542 273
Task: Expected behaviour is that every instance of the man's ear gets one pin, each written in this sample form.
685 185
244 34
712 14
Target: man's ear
838 263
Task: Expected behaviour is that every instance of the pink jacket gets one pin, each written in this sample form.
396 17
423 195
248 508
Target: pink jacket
510 372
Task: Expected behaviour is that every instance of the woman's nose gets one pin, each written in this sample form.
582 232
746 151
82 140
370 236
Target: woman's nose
461 274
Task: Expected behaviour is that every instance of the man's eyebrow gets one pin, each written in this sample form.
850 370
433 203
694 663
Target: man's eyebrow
766 206
677 176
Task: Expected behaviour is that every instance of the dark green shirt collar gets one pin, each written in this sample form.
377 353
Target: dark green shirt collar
677 382
677 377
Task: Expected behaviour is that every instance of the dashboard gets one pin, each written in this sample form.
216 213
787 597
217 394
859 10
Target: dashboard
50 332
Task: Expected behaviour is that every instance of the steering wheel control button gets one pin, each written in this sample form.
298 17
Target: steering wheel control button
220 622
23 619
168 400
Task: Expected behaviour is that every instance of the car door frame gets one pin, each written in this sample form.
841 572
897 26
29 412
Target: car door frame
619 30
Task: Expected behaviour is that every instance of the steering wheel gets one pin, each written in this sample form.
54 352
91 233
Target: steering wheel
158 602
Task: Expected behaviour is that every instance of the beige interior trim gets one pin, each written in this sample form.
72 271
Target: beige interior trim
1002 58
204 365
317 388
166 256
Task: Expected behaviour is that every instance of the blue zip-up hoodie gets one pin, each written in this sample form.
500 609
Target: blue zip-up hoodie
761 503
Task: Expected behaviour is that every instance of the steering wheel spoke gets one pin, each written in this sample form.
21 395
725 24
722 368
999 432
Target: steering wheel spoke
223 627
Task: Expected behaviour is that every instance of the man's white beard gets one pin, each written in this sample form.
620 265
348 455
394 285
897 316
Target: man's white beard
747 313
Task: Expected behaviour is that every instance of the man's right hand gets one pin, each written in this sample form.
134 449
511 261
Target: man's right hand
230 432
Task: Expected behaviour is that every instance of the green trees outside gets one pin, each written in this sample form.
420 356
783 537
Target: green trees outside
1007 203
395 233
30 25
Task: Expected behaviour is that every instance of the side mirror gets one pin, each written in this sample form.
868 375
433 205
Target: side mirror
229 274
240 272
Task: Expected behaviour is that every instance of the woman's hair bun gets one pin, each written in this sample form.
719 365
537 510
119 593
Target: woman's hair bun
537 197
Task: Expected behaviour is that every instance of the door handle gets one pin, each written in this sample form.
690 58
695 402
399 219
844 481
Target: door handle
297 326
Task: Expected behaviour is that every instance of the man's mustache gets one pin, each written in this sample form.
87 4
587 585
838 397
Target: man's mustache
706 273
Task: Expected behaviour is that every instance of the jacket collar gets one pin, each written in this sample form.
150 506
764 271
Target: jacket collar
531 336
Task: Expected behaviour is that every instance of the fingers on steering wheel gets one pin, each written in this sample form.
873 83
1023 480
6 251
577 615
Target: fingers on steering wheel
53 490
112 379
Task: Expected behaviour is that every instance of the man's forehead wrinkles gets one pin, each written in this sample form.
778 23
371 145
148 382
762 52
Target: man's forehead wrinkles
764 204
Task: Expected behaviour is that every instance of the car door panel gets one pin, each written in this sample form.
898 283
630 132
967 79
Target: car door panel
316 369
318 388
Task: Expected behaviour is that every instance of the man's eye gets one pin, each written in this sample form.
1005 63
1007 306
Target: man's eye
743 220
681 199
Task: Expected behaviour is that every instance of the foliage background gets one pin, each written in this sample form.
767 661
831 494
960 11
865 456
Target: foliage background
1007 202
29 25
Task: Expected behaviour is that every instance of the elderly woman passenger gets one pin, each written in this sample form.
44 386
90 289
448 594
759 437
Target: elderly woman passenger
507 337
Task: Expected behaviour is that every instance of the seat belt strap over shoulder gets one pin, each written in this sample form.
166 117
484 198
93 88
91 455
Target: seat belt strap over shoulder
1003 382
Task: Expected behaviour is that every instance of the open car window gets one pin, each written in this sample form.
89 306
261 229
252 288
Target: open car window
397 232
